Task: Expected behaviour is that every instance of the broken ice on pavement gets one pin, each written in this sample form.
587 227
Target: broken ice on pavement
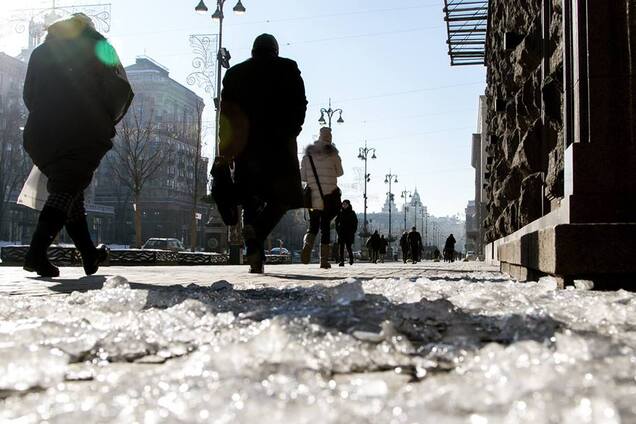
474 349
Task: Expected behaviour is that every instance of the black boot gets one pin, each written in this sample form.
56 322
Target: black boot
92 257
255 256
50 223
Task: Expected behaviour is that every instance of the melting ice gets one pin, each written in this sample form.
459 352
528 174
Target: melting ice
472 350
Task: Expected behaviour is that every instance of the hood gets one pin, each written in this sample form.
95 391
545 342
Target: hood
321 147
72 28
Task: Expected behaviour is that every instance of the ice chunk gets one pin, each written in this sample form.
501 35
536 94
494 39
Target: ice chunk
26 368
584 284
548 283
347 292
116 282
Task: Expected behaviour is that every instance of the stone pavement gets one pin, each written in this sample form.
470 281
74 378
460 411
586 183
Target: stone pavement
15 281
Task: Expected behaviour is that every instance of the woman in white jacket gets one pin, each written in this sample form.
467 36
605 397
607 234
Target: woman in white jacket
328 167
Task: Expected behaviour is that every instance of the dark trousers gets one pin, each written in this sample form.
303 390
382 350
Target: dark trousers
321 220
344 244
72 204
259 219
415 253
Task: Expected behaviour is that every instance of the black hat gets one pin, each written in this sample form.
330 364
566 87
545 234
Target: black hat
265 45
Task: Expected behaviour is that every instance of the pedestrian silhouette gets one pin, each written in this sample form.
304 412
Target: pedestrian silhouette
263 107
415 243
321 166
346 227
384 243
449 249
405 246
76 92
373 245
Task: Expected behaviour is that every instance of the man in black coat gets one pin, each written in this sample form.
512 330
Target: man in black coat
76 92
404 245
449 249
384 244
373 244
415 243
346 227
263 107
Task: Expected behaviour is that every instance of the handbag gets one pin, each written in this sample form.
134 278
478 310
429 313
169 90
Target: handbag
34 192
331 201
224 191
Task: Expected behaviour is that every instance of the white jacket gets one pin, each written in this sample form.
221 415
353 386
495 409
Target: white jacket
328 167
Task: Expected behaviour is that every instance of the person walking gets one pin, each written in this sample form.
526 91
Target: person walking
346 227
449 249
263 108
320 168
384 243
415 243
76 91
373 245
404 245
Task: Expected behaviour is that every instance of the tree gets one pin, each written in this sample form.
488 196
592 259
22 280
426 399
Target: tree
137 156
14 162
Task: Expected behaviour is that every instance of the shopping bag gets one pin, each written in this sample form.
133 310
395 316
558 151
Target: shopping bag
34 192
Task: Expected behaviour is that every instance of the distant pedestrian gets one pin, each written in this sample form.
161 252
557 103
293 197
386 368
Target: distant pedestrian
373 245
415 243
346 227
384 243
76 92
321 166
405 246
263 107
449 249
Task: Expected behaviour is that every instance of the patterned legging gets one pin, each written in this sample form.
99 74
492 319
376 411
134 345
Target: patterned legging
70 203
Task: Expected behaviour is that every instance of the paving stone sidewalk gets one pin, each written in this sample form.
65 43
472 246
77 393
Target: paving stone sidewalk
15 281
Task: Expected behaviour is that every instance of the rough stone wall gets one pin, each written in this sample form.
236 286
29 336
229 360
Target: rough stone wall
526 154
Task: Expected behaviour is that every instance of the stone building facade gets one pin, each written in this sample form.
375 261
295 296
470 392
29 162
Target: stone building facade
561 114
171 110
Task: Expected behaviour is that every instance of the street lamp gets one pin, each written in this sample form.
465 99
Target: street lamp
364 155
330 113
405 195
222 57
389 179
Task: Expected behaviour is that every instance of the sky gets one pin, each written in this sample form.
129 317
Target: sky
384 63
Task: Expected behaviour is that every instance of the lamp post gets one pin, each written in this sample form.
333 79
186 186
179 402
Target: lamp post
405 195
330 113
364 155
223 61
223 56
389 179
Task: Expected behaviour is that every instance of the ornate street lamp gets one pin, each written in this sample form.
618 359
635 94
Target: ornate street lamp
405 195
389 179
223 60
330 113
223 54
364 155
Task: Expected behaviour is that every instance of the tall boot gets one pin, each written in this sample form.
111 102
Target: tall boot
254 250
50 223
324 256
308 246
92 257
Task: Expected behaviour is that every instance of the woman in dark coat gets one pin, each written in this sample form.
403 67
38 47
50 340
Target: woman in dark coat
75 91
346 227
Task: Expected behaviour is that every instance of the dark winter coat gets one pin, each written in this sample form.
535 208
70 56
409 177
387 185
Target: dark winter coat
263 107
384 243
374 242
450 243
415 239
346 225
70 127
404 241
